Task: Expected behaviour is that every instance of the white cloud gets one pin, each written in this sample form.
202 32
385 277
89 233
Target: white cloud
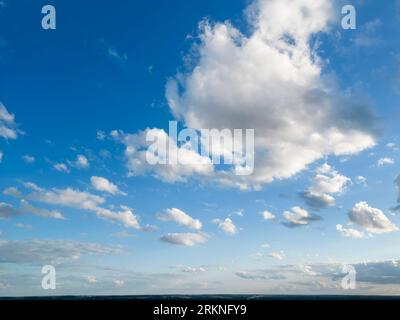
137 154
28 159
119 283
385 161
103 184
8 211
1 156
372 219
391 145
277 255
72 198
28 208
126 216
226 225
361 180
292 130
24 226
81 162
185 239
101 135
180 217
192 269
8 128
68 197
31 186
112 52
267 215
318 200
298 217
34 251
13 192
239 212
62 167
326 182
349 232
91 279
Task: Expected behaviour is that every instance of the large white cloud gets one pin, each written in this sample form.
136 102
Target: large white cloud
372 219
272 81
181 218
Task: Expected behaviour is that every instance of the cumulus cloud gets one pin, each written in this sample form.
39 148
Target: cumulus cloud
67 197
385 161
62 167
76 199
226 225
103 184
139 155
297 217
327 181
181 218
276 255
126 216
185 239
35 251
267 215
8 127
258 70
81 162
361 180
349 232
372 219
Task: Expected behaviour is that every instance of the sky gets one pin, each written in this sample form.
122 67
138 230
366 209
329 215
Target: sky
78 192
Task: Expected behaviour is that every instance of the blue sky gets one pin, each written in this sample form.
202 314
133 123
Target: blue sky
324 107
